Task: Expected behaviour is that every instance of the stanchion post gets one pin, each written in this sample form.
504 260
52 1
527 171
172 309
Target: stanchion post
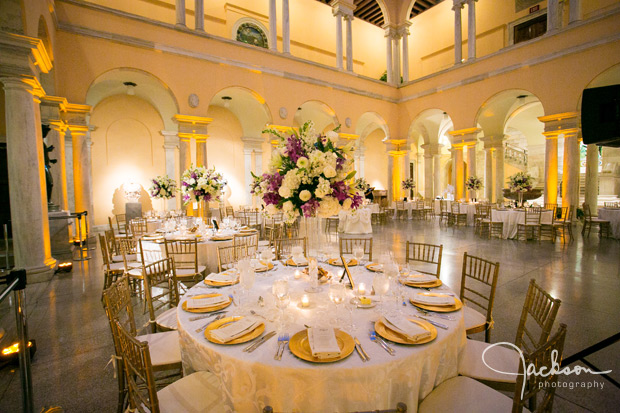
19 296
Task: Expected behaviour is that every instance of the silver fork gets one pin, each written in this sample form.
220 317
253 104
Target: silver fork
280 339
431 313
285 340
220 316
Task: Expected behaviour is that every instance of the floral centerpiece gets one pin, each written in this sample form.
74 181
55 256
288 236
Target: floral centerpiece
163 187
520 182
362 185
308 176
408 184
473 183
201 184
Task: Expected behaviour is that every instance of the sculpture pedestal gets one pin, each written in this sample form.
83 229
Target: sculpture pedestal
59 233
133 210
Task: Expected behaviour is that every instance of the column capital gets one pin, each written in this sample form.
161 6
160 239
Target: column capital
343 8
403 29
24 82
75 114
22 55
470 2
194 126
391 31
171 139
252 143
561 125
458 4
51 109
464 137
432 148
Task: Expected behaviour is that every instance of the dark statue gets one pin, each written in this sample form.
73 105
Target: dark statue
49 181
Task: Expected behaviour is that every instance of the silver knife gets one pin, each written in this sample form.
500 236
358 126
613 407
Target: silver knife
359 352
435 323
384 345
361 348
260 341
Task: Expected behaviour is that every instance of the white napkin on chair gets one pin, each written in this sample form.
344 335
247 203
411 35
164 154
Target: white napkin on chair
412 331
206 302
236 329
323 343
442 300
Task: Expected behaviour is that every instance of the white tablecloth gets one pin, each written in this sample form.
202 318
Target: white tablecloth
512 217
409 206
355 222
613 216
469 208
253 380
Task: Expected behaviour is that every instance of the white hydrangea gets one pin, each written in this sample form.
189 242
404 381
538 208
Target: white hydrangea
329 171
329 206
288 206
305 195
346 205
291 181
271 209
323 188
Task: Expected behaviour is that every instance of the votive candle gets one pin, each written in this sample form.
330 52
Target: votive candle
297 274
361 289
305 301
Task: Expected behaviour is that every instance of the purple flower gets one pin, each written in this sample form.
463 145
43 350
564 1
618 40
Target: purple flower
310 207
339 163
294 148
340 191
272 198
357 201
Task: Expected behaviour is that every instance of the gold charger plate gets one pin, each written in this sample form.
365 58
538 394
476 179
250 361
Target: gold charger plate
227 320
300 347
439 308
291 263
338 262
219 283
389 334
375 267
206 309
430 284
222 238
266 266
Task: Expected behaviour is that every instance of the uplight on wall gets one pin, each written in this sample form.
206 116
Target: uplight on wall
132 191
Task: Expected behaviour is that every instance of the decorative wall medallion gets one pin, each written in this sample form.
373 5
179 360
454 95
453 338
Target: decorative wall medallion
348 122
193 100
251 33
283 112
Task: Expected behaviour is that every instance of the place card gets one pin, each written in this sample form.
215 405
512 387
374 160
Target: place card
323 343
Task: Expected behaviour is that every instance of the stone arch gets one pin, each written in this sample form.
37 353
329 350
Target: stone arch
323 116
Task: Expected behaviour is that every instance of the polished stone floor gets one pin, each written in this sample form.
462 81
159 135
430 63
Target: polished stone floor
67 320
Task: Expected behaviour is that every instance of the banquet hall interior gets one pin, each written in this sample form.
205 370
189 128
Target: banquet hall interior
377 191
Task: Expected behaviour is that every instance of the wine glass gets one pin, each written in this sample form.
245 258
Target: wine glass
381 285
247 277
337 295
358 253
279 289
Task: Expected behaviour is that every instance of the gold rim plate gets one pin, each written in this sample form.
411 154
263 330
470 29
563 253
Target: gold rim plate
225 238
389 334
220 284
430 284
300 347
291 263
227 320
206 309
266 266
439 308
338 262
376 267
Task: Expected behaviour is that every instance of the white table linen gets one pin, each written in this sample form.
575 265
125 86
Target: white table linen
252 380
355 222
512 217
613 216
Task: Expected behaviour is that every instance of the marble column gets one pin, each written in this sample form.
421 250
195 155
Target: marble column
552 15
180 13
199 15
396 57
499 173
286 29
453 160
405 35
551 168
185 154
171 148
570 171
27 192
201 152
488 173
471 166
437 189
348 19
428 176
390 186
339 54
574 11
471 29
273 26
82 170
591 195
388 53
459 187
458 35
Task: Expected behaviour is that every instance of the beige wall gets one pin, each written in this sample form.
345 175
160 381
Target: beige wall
127 146
376 160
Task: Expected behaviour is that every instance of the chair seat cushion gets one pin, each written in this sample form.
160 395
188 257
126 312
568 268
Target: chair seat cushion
119 258
115 266
599 221
164 347
198 392
136 272
473 318
168 319
500 358
190 272
463 395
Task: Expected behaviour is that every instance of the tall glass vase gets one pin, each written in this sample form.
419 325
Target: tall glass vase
520 198
314 230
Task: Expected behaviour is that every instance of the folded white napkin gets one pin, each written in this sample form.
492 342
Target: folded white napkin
266 255
223 277
206 302
433 299
261 266
416 278
412 331
299 260
323 343
236 329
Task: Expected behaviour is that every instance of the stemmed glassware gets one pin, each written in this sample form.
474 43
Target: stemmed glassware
247 276
358 253
381 285
279 290
337 294
313 276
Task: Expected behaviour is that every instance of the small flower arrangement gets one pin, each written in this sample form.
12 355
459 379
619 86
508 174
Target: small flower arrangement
309 175
362 185
163 187
408 184
520 182
473 183
201 184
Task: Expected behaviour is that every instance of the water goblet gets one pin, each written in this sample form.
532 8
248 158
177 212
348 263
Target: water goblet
358 253
337 295
381 285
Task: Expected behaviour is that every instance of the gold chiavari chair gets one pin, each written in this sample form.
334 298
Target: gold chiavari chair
271 233
429 209
185 255
428 256
197 392
165 351
347 245
482 213
227 257
331 228
162 295
530 225
458 217
563 223
444 213
478 284
285 245
466 394
387 212
590 221
111 270
249 240
138 227
230 211
121 223
550 206
133 268
492 226
539 312
401 210
112 245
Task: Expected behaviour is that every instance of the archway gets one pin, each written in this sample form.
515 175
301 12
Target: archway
323 116
371 153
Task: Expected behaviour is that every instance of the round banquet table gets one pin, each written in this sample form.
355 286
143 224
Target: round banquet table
613 216
250 381
512 217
